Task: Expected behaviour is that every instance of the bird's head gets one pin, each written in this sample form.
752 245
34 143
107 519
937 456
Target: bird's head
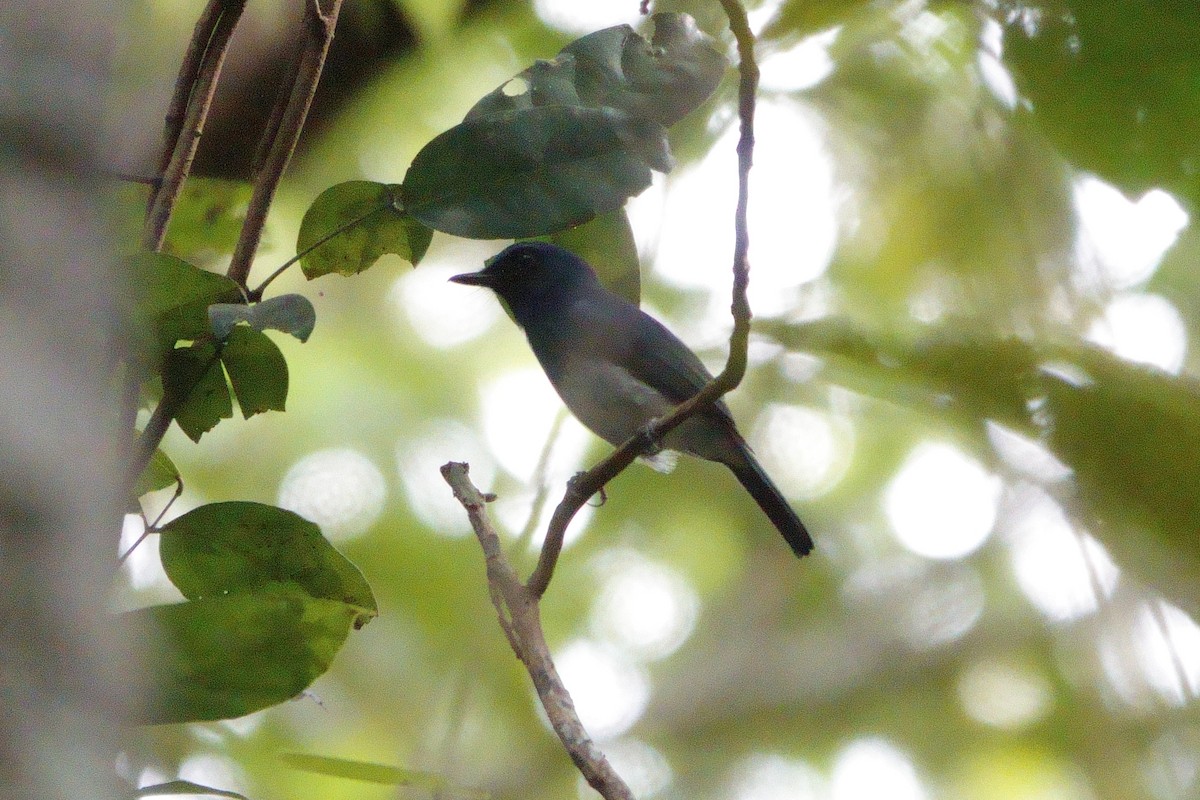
533 277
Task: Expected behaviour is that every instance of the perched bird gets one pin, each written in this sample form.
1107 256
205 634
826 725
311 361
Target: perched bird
617 368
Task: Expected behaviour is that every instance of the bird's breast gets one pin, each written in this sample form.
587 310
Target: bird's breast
605 397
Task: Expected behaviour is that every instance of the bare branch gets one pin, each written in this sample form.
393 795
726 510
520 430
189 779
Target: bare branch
521 618
318 33
194 91
584 486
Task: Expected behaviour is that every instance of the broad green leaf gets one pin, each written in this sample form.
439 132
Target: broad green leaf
232 547
661 80
194 383
350 225
289 313
257 370
158 474
1138 128
185 787
375 773
607 244
1129 433
173 296
532 171
207 219
224 657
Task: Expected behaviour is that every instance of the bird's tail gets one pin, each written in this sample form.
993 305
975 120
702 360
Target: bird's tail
750 474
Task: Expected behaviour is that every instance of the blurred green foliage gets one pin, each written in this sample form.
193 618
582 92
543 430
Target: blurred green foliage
957 299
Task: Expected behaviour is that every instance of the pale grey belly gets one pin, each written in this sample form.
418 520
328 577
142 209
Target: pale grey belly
623 405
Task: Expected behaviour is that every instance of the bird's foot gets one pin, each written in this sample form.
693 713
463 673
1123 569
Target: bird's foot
573 483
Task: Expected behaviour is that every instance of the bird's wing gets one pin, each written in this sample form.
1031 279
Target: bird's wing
652 354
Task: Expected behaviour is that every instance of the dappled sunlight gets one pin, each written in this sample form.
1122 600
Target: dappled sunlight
1025 455
339 489
582 18
800 66
143 566
1005 694
992 71
419 457
872 768
942 503
792 223
609 690
644 769
775 777
1151 655
1121 240
443 314
1143 328
924 604
805 451
645 608
519 409
1064 573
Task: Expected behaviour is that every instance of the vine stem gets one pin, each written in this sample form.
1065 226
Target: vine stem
194 90
318 33
582 487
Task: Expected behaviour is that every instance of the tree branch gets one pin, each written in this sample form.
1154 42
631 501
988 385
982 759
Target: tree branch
194 89
584 486
318 32
520 617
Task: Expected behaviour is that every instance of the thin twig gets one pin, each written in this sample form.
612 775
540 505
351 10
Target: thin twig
188 138
519 608
318 33
584 486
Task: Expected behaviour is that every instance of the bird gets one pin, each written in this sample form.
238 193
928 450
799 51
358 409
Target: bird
617 368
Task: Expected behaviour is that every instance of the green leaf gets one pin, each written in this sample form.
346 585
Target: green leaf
350 225
289 313
607 244
232 547
185 787
158 474
224 657
1138 128
1129 433
207 218
257 370
374 773
661 80
172 297
532 171
194 383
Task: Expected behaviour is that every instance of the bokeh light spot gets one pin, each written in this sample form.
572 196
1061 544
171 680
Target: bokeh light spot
420 456
805 451
610 691
1057 568
1003 694
774 777
339 489
873 768
645 608
1143 328
941 503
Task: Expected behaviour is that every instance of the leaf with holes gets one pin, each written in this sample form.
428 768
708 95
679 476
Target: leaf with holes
533 171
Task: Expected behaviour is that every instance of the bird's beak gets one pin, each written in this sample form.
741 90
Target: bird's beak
473 279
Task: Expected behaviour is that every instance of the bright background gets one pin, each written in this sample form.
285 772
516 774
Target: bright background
959 631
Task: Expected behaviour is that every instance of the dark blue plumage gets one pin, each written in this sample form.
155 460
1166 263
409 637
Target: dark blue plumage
617 368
